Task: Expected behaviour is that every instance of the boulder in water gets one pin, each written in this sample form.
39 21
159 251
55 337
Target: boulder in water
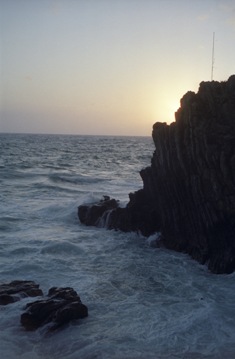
18 289
60 307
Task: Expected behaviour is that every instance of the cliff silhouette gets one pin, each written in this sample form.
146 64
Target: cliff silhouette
188 190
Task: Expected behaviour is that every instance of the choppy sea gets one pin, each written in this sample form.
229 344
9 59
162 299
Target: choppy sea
143 302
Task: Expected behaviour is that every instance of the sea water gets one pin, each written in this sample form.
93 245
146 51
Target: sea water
143 302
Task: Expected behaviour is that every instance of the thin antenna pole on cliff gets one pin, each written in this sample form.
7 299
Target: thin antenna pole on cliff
213 56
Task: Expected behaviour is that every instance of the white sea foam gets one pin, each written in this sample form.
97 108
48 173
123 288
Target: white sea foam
143 301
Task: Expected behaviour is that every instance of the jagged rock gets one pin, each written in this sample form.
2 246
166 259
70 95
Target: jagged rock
93 215
136 216
61 306
18 289
189 190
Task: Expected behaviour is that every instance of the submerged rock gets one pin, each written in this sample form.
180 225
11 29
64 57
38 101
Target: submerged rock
61 306
18 289
189 190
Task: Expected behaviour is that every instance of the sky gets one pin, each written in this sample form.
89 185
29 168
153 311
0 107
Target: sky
107 67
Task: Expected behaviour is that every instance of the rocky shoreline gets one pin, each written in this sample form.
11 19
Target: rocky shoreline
59 307
188 191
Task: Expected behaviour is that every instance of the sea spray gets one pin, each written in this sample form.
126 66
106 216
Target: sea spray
144 302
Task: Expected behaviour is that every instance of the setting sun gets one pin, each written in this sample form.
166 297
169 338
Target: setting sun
173 106
99 67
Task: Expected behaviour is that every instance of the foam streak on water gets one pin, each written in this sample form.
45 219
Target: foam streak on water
143 302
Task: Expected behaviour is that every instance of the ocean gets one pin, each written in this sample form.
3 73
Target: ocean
144 302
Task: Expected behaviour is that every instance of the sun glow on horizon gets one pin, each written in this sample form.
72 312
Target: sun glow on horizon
166 109
107 67
173 107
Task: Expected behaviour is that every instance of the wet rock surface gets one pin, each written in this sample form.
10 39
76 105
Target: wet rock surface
189 190
60 307
18 289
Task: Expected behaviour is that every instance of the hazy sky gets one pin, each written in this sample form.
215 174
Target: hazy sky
107 66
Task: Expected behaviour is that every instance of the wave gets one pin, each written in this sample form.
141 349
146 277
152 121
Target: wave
144 302
62 248
74 179
10 223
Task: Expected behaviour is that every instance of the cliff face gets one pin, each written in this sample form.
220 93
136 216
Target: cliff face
192 176
189 190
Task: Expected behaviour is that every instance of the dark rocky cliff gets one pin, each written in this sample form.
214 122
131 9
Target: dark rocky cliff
189 190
